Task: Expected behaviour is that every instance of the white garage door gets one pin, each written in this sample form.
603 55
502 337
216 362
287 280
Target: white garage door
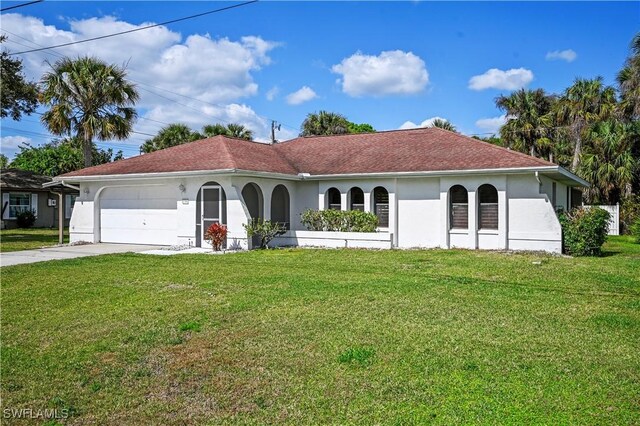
138 215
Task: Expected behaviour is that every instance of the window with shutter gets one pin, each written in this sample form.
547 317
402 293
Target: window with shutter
333 199
459 207
356 199
487 207
381 206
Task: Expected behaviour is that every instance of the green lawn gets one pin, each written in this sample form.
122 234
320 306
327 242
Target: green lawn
27 239
327 336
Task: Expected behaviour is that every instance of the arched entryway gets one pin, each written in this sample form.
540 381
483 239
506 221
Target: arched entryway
254 202
211 207
280 206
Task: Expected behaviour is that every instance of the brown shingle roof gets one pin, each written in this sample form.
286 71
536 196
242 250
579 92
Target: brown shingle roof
416 150
18 179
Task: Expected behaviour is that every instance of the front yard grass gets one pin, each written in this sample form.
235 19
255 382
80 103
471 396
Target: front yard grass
327 336
27 239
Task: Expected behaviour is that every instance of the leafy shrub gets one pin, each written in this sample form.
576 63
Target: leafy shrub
25 219
629 213
216 235
339 220
584 231
635 230
265 230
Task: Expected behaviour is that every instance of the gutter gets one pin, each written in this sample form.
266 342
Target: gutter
307 176
55 182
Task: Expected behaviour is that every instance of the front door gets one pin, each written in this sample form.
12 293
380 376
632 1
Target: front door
211 210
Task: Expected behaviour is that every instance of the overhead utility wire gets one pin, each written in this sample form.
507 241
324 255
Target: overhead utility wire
4 9
209 12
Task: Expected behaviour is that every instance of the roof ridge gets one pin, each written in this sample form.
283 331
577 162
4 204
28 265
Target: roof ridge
226 148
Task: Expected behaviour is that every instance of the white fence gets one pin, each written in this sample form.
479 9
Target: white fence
614 221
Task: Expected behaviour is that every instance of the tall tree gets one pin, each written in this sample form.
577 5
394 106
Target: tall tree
17 95
239 131
443 124
608 162
4 161
527 127
360 128
90 99
60 157
629 81
584 103
171 135
233 130
324 123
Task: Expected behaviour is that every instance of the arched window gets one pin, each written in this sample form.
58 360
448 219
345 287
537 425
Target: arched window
356 199
381 206
487 207
280 206
458 207
333 199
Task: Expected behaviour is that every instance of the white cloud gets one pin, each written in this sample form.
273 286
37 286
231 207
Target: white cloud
426 123
9 144
392 72
272 93
568 55
494 78
304 94
491 125
216 71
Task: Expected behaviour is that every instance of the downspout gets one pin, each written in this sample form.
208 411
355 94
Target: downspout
537 175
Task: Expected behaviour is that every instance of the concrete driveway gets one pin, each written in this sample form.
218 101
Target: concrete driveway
69 252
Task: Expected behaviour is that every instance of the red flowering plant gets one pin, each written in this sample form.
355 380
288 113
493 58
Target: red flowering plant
215 235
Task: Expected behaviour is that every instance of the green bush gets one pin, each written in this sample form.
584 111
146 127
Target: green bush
25 219
629 213
584 231
635 230
339 220
265 230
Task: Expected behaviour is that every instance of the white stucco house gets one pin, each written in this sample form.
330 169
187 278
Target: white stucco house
429 188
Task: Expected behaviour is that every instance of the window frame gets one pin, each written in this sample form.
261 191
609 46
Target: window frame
29 206
376 204
328 204
452 208
351 203
482 212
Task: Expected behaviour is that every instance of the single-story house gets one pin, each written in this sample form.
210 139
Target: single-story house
429 187
23 190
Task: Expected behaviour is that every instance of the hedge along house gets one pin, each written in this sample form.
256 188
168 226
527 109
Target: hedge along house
429 188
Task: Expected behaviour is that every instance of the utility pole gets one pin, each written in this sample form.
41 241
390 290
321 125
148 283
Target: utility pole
274 126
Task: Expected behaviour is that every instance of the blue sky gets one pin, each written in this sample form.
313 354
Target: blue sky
390 64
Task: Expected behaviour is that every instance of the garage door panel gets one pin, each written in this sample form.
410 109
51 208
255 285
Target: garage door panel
139 216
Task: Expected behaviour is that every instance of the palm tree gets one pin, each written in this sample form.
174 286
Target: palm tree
629 81
171 135
443 124
239 131
89 98
233 130
608 162
211 130
580 106
324 123
528 126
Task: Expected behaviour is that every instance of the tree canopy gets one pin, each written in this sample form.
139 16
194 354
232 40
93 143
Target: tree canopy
443 124
330 123
58 157
18 96
178 133
89 99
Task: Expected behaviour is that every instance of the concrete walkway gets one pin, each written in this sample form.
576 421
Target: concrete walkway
69 252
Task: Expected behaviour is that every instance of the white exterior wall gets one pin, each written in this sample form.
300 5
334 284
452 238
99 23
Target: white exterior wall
418 213
533 224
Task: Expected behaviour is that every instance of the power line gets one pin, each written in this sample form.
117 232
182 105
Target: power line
4 9
209 12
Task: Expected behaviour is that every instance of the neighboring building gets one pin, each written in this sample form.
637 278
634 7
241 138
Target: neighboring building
22 190
429 188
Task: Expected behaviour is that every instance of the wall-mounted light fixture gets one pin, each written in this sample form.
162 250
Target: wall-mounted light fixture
86 190
182 188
